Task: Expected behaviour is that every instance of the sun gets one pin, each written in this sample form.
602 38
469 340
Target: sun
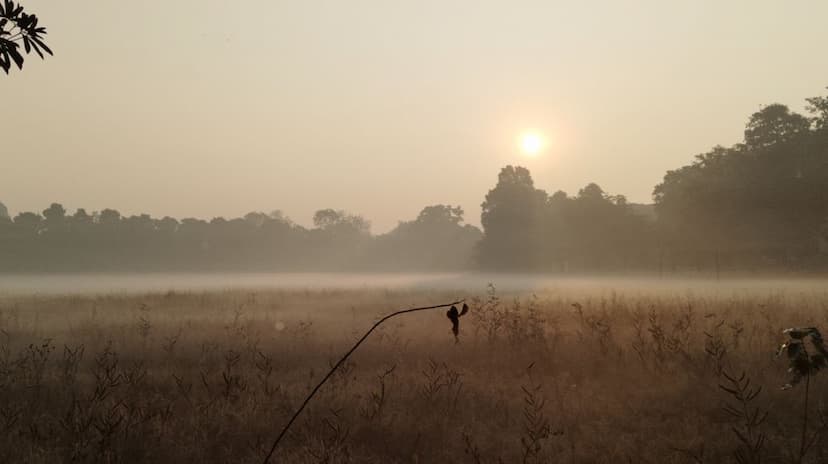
531 143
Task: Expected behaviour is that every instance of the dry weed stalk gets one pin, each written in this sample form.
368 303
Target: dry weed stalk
750 437
536 425
376 401
344 358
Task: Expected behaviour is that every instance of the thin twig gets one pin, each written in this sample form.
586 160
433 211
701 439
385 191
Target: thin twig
802 447
333 369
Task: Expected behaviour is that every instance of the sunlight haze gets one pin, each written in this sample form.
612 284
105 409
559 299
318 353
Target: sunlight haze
454 231
215 108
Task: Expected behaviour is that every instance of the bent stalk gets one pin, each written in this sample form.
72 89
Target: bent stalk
339 363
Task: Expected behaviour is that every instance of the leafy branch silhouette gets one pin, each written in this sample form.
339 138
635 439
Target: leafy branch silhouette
453 316
17 26
804 364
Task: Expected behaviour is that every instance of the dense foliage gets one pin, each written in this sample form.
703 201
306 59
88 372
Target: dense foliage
759 205
106 240
527 229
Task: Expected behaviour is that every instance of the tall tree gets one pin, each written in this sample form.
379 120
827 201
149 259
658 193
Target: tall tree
512 219
818 106
55 218
436 240
774 124
762 201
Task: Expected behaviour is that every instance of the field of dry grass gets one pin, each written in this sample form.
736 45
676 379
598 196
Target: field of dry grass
559 376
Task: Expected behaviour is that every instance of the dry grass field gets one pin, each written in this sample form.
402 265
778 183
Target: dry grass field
579 376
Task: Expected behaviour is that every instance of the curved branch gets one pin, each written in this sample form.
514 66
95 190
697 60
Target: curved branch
333 369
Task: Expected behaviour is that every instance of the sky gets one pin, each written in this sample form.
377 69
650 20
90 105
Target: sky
205 108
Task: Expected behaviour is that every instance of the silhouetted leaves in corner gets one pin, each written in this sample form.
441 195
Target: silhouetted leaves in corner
17 26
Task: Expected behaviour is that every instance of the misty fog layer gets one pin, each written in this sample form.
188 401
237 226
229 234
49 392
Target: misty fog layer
450 283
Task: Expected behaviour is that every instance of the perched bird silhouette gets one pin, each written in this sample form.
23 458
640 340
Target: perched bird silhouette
454 317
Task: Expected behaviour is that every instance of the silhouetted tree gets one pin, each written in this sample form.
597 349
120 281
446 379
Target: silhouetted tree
109 218
81 218
760 203
512 217
818 106
329 219
605 231
525 229
55 218
774 124
29 222
436 239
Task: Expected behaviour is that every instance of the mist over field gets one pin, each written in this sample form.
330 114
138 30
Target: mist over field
457 283
413 232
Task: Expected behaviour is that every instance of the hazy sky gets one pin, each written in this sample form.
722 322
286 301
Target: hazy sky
215 108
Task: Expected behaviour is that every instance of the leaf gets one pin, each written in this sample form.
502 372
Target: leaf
794 350
43 45
741 437
454 317
5 63
732 411
728 377
16 56
34 45
799 333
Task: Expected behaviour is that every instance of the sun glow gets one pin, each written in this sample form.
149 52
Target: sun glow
531 143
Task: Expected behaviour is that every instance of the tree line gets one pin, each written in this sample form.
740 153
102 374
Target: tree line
761 204
107 241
